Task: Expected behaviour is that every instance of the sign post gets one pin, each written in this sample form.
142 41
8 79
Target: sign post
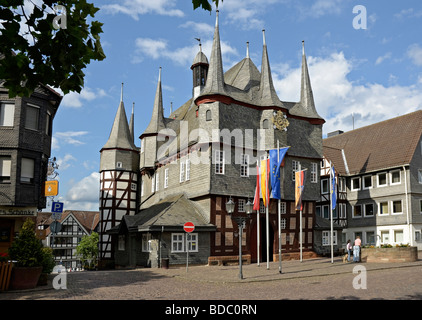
188 227
55 227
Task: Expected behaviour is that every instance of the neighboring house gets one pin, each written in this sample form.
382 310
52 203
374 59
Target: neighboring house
74 225
25 147
204 154
379 178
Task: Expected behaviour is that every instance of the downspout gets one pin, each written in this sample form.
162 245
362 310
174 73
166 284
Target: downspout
407 207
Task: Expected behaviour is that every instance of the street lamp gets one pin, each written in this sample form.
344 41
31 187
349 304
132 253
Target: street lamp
241 222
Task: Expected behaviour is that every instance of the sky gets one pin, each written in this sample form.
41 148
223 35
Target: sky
364 58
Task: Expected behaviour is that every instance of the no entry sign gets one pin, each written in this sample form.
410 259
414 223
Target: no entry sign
189 227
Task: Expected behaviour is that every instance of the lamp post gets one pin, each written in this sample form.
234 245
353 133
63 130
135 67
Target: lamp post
241 222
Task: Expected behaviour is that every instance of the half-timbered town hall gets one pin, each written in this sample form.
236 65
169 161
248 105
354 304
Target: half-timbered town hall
189 165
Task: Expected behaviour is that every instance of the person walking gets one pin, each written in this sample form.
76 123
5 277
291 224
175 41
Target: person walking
349 249
356 249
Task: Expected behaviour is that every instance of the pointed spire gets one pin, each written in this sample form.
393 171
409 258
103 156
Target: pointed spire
267 93
306 106
306 95
215 79
132 123
157 119
120 135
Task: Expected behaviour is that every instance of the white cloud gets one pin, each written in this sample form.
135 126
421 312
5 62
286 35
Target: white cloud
157 49
135 8
336 97
198 27
67 137
76 100
84 194
414 52
65 162
382 58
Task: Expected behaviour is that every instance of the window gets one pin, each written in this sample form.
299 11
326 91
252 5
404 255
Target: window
265 124
314 172
157 181
342 184
121 243
395 177
142 188
187 178
182 171
5 168
262 208
282 208
166 178
367 182
398 236
418 236
420 176
318 211
244 165
241 205
192 241
177 243
370 238
397 207
355 184
326 212
283 223
369 210
342 209
219 162
32 117
326 240
7 114
324 186
383 208
295 167
208 115
357 211
385 236
153 183
382 179
146 247
27 170
420 206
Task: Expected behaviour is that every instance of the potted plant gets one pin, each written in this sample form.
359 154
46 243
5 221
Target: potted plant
26 250
48 264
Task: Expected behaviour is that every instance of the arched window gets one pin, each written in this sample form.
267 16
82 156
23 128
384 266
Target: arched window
208 115
265 124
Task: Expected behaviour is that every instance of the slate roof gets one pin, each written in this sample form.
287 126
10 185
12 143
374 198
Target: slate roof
380 146
171 213
88 219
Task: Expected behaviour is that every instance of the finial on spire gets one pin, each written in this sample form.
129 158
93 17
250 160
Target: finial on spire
121 93
303 47
263 37
133 107
159 75
247 49
216 18
171 107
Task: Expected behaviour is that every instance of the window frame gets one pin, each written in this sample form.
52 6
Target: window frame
10 117
219 164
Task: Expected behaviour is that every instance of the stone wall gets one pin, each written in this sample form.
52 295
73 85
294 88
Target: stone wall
395 254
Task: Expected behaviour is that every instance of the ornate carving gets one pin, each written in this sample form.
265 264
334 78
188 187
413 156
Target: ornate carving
280 121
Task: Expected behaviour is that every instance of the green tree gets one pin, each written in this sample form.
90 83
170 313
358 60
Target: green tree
87 249
204 4
50 45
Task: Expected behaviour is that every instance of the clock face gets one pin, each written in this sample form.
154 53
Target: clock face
280 122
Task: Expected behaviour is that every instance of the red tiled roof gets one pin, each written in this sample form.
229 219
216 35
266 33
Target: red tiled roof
383 145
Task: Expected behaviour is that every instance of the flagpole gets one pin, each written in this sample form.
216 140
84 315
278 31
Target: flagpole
331 214
267 216
257 224
300 222
279 213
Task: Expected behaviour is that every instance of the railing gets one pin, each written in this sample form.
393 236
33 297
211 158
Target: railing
5 274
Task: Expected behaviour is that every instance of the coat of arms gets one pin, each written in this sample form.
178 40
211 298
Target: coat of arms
280 121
